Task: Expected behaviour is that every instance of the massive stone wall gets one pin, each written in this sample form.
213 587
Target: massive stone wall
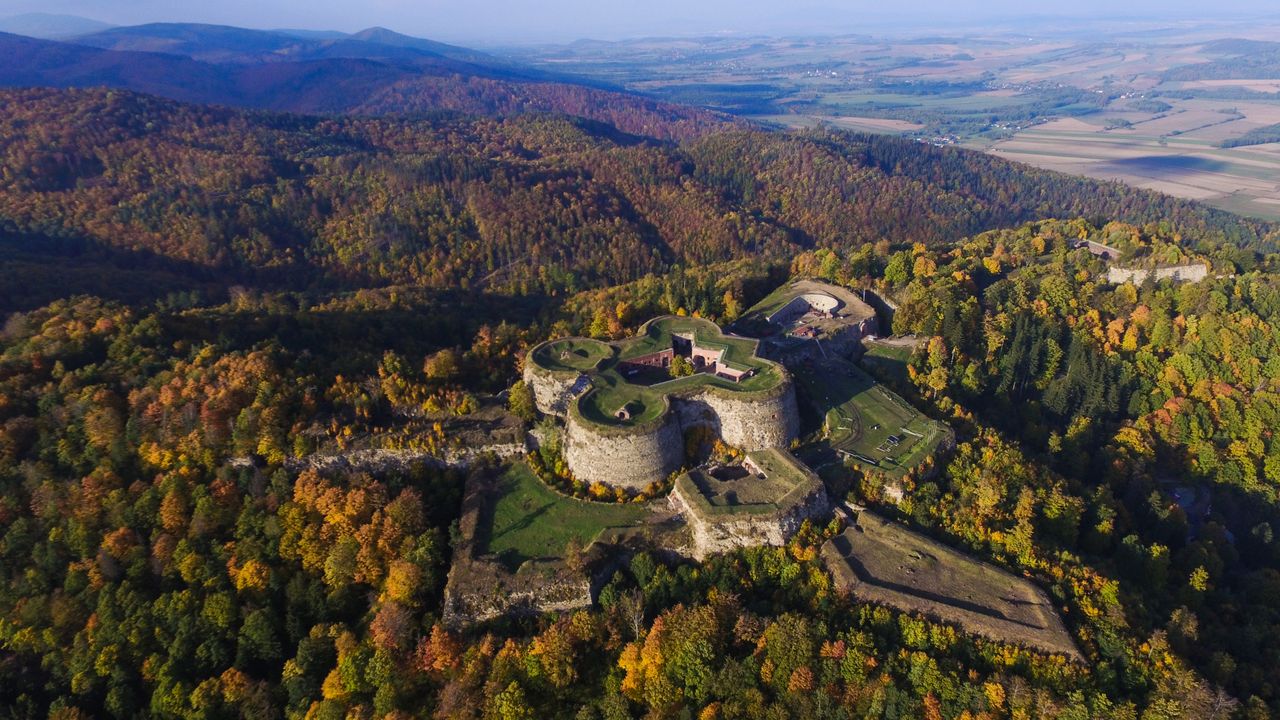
727 532
1194 272
630 459
633 458
754 423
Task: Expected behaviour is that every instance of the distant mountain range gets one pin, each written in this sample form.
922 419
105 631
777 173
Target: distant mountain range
372 72
224 44
50 26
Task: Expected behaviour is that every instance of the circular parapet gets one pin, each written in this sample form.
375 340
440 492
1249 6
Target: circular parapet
570 356
821 301
555 370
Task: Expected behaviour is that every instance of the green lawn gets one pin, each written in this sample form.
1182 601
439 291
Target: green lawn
862 418
892 360
572 354
529 520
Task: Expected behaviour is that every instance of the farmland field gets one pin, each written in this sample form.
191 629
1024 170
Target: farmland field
1150 111
1177 154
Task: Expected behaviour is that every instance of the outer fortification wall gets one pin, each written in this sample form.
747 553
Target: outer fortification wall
1178 273
719 532
631 459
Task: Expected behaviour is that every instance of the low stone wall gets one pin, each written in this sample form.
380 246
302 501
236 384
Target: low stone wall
1194 272
510 596
385 460
725 533
624 459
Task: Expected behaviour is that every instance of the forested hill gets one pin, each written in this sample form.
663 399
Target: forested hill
532 203
168 551
371 73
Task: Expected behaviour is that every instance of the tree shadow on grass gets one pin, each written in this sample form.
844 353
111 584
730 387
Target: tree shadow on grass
513 558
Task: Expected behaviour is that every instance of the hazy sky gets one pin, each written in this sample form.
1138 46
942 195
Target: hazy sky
502 21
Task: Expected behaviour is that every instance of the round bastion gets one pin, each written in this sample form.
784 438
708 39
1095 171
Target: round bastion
631 460
755 423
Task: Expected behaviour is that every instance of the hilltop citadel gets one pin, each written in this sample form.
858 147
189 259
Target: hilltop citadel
630 411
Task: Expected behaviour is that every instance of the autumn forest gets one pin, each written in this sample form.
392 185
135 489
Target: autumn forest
199 301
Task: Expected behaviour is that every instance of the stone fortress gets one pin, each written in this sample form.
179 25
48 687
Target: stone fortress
761 501
625 415
810 319
627 407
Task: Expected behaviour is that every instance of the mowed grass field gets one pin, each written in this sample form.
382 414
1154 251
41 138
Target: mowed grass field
866 422
530 521
889 357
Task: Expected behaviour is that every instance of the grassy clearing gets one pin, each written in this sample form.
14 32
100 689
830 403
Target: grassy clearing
888 360
892 353
884 562
530 521
866 422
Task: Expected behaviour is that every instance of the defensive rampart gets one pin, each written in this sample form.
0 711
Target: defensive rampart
630 458
1194 272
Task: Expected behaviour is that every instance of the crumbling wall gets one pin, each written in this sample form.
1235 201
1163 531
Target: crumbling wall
480 588
630 459
508 596
552 391
1194 272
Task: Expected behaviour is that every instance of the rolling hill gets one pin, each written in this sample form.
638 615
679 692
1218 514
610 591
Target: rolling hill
376 72
527 204
226 44
51 25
